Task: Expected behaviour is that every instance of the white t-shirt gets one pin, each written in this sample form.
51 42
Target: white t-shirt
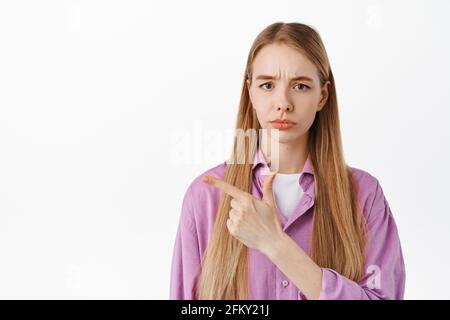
287 192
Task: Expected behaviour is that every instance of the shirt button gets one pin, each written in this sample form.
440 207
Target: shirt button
285 283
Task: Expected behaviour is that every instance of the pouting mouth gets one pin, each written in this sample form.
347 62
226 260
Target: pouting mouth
282 121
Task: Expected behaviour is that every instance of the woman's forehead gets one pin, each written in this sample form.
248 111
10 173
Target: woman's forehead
282 62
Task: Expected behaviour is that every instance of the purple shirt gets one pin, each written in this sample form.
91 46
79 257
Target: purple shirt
384 266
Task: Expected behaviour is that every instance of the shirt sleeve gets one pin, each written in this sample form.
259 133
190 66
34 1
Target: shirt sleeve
384 276
186 255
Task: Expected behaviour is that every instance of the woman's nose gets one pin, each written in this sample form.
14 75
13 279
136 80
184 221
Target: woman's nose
285 108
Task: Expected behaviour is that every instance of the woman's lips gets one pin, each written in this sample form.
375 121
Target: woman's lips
282 125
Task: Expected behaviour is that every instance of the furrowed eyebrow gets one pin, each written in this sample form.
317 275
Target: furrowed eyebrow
267 77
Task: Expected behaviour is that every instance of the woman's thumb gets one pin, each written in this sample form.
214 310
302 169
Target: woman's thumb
268 190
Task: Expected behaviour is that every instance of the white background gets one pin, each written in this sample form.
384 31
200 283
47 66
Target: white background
95 95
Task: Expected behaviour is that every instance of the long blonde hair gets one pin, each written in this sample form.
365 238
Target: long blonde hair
339 236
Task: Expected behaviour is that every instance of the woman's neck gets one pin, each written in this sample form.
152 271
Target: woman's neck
286 157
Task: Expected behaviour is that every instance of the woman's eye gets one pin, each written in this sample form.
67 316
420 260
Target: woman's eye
264 84
303 86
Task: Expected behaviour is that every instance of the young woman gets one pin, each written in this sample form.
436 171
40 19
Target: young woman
309 227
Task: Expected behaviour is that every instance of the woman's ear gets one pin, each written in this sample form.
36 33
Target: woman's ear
324 95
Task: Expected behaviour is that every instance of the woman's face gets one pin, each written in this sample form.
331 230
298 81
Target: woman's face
283 97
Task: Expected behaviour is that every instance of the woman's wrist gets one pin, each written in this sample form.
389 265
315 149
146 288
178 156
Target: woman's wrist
275 248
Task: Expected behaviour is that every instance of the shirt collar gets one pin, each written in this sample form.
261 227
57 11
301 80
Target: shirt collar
260 159
260 167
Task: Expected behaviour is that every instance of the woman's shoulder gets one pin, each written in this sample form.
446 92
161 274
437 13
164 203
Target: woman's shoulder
202 198
370 192
198 189
201 202
364 178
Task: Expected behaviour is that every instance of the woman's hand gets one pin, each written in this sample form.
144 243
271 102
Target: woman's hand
252 221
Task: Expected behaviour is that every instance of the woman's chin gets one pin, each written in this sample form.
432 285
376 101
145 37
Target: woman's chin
284 136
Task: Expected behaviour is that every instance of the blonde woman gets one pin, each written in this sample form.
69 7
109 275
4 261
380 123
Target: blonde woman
297 222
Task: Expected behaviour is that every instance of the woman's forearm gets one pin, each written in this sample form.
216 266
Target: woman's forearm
290 258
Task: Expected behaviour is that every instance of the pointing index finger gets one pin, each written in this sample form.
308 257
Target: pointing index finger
226 187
